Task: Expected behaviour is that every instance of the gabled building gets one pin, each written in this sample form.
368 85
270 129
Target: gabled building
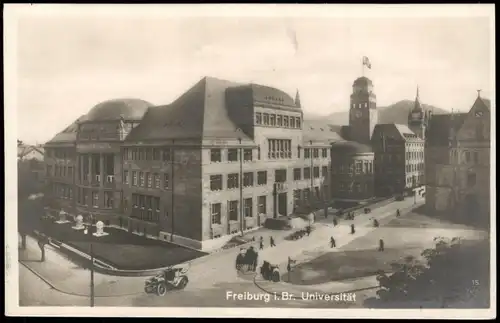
458 164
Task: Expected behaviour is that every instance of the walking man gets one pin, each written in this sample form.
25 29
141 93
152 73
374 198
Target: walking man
308 230
381 245
261 244
271 240
334 222
398 213
332 242
352 229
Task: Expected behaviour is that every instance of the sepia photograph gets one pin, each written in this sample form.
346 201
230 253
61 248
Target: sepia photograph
320 161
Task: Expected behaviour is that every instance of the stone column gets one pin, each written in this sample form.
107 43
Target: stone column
90 169
101 166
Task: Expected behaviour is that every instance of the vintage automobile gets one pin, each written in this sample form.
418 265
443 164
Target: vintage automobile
270 272
173 277
247 259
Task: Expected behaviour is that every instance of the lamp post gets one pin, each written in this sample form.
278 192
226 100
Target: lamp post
172 160
311 154
87 231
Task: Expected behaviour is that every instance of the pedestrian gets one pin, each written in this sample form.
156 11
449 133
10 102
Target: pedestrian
332 242
261 245
375 223
381 245
334 222
271 240
352 229
308 230
398 213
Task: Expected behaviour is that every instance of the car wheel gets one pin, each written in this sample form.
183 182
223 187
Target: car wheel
161 289
183 283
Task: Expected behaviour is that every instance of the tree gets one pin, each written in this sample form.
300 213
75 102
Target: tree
452 274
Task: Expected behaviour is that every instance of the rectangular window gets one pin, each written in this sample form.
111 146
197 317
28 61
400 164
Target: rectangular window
141 179
166 181
156 154
258 118
156 201
232 181
95 199
285 122
266 119
232 210
280 175
297 122
247 154
85 197
125 177
247 179
215 182
307 173
248 207
292 122
316 172
272 120
262 207
307 153
215 155
150 180
279 121
232 154
108 200
262 178
157 180
324 171
297 174
316 153
134 178
324 153
216 213
167 154
359 167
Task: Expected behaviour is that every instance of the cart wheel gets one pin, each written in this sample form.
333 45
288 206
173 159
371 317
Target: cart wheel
161 289
183 283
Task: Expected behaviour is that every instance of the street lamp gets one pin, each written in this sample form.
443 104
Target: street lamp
87 231
241 186
311 173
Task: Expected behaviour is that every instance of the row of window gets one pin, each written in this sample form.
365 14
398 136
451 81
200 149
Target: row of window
353 187
158 154
315 153
146 208
233 209
232 155
62 191
277 120
414 155
60 171
84 196
145 179
414 167
279 148
233 180
469 157
358 167
414 180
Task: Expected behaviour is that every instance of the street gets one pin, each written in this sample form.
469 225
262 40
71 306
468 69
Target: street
211 278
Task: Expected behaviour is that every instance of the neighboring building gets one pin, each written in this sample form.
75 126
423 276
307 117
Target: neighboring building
30 152
458 164
31 161
399 159
352 171
217 161
377 159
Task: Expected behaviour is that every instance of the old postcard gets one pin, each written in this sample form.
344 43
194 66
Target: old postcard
333 161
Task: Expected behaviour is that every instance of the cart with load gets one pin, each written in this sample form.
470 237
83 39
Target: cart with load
270 272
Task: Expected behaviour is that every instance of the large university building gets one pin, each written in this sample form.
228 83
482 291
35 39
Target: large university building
458 164
217 161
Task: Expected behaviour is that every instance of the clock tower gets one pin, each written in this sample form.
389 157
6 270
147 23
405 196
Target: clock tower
363 114
417 118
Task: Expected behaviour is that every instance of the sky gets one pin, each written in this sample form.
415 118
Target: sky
66 64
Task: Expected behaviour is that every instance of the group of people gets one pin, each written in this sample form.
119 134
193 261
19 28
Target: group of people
261 242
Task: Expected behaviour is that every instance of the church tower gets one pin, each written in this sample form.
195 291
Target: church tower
363 114
417 118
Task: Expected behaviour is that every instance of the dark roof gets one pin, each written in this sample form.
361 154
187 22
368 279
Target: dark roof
129 109
198 113
317 130
269 95
394 130
69 133
485 102
351 147
440 125
362 81
24 150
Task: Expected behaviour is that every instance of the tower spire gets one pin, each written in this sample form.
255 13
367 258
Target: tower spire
478 93
297 100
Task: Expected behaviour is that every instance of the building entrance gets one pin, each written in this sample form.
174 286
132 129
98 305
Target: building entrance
282 203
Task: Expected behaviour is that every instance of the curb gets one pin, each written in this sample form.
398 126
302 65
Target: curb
54 287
